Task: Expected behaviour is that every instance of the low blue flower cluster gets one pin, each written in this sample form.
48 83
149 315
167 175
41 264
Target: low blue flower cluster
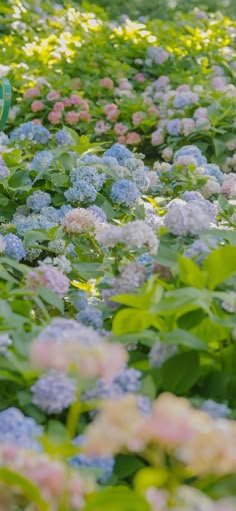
14 247
103 464
17 429
42 160
125 193
32 132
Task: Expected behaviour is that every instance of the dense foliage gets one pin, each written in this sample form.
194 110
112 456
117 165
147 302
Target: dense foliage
118 260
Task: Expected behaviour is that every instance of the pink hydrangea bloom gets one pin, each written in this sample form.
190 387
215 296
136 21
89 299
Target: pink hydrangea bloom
120 128
139 77
67 102
98 359
121 139
49 277
52 477
37 121
54 95
32 93
111 112
72 118
137 118
84 116
107 83
101 127
133 138
183 88
37 106
55 117
75 100
158 137
58 106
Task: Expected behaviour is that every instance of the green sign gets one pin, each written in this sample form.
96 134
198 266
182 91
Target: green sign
5 101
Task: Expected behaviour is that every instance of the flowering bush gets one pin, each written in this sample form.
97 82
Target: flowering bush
117 306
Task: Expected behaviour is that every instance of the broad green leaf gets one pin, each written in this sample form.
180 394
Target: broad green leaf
190 273
51 298
118 498
180 372
127 465
220 265
184 338
131 320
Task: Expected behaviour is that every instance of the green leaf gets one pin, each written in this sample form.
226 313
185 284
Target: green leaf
51 298
30 237
220 265
184 338
126 465
180 372
131 320
118 498
190 273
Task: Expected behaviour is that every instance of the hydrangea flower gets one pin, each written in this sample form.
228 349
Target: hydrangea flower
49 277
32 132
210 169
14 247
4 170
54 392
215 410
125 192
90 316
38 200
187 219
16 429
79 220
104 465
62 138
98 212
173 127
190 150
81 192
119 152
42 160
5 342
185 98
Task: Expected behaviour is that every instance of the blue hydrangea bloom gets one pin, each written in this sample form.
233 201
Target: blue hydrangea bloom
199 249
14 247
17 429
54 392
145 259
98 212
192 195
90 316
173 127
127 381
215 410
38 200
88 174
62 138
125 192
81 192
81 301
64 209
4 170
91 158
105 464
214 170
191 150
32 132
185 98
119 152
42 160
25 223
